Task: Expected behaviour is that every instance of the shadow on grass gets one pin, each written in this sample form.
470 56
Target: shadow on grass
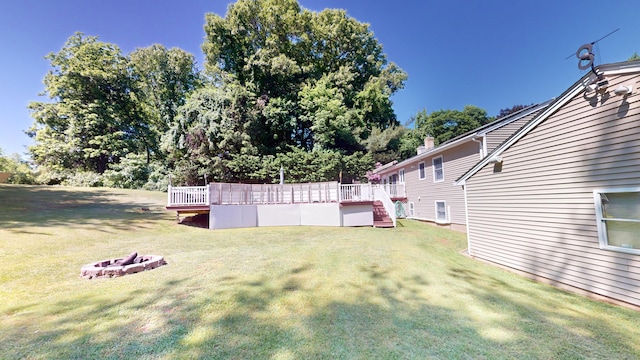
266 317
580 328
49 206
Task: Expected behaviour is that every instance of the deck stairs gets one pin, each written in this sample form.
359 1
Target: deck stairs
381 218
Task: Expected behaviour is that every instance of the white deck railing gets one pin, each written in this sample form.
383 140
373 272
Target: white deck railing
394 190
188 196
228 193
356 192
225 193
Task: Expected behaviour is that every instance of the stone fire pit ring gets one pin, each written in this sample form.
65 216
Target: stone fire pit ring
121 266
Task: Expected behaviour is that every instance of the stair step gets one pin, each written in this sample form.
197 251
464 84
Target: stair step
381 218
383 224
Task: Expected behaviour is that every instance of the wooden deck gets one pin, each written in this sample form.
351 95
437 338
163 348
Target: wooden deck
199 199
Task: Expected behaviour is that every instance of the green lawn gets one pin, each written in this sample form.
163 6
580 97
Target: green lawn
271 293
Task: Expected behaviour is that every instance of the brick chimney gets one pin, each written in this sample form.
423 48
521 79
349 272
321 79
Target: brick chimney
429 143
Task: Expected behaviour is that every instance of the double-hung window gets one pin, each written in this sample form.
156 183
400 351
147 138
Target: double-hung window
618 217
422 174
401 176
438 171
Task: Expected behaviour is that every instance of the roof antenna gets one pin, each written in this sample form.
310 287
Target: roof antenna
586 60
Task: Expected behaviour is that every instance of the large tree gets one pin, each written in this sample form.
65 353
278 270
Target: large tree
93 117
164 78
322 77
104 106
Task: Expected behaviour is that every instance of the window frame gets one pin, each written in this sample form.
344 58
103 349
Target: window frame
603 237
446 213
412 209
433 164
401 176
422 170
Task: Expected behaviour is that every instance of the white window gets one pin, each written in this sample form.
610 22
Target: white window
421 171
441 211
438 171
401 176
411 209
618 217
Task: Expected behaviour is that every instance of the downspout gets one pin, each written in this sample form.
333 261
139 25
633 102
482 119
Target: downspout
466 214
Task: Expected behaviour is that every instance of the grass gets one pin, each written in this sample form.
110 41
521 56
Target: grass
271 293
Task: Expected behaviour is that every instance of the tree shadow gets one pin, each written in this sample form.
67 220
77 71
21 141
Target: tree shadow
280 316
50 206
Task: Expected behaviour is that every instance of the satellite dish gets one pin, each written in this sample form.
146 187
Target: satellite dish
585 55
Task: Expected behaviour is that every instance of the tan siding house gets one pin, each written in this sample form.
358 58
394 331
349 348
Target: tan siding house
564 202
429 176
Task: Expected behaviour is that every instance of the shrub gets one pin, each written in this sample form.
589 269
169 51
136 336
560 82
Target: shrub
132 172
84 179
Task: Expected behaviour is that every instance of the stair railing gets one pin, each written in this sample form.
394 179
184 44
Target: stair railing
382 196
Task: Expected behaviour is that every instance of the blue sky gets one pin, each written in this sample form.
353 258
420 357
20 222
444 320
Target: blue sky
492 54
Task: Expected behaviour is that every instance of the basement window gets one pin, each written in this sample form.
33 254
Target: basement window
441 212
618 219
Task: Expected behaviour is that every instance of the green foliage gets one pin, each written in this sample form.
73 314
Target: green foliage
284 86
508 111
21 172
445 125
320 165
385 145
132 172
328 63
105 106
215 124
634 57
163 78
94 118
83 179
158 179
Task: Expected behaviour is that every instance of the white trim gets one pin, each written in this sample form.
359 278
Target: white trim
446 212
466 219
424 168
575 89
433 166
401 178
524 130
385 166
412 210
601 223
480 131
484 145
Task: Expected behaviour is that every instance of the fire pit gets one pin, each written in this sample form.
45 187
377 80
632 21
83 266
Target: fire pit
121 266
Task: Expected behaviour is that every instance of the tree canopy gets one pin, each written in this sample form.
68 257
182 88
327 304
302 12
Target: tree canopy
321 78
444 125
282 86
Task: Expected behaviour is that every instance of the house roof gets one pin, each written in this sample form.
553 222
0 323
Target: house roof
466 137
555 105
